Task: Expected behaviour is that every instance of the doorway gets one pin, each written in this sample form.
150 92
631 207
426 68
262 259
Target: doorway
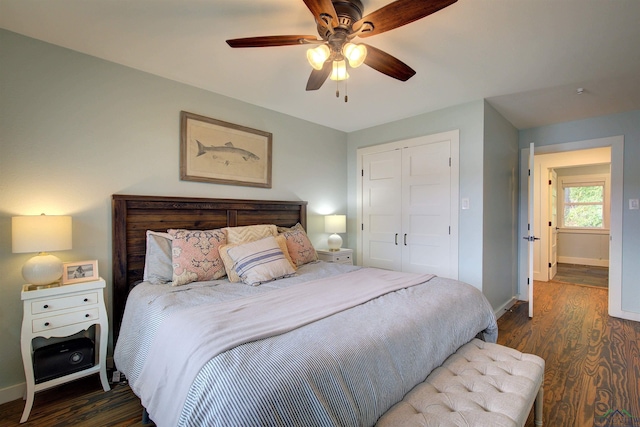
616 144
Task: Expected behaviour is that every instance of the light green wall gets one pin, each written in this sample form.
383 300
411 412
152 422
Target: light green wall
500 218
75 129
468 118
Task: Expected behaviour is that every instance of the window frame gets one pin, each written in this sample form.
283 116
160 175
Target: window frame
585 181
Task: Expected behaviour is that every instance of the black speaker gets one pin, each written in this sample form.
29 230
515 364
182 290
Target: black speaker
56 360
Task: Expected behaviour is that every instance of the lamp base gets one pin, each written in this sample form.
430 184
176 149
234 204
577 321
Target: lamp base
334 242
42 269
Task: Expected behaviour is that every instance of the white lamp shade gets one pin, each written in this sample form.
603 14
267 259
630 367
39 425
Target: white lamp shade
41 233
335 224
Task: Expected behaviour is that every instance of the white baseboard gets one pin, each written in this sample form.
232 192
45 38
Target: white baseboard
584 261
12 393
504 307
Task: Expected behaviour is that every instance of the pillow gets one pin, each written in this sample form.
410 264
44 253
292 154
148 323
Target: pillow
249 233
298 226
300 248
228 262
195 255
260 261
158 268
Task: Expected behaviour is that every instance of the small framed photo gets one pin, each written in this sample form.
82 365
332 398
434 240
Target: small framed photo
81 271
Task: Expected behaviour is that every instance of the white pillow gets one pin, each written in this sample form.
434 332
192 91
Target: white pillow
260 261
158 267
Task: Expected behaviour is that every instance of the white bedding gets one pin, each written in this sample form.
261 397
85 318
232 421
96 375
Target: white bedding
346 369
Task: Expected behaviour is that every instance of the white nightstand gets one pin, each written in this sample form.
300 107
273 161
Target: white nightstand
342 256
62 311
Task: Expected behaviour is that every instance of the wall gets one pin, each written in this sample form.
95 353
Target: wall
628 125
500 216
75 129
468 118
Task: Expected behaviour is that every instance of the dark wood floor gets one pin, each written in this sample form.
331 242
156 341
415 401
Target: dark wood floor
592 368
592 360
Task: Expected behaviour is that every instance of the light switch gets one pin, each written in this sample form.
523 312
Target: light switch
465 203
634 204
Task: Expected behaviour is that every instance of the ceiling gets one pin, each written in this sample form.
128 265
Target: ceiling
526 57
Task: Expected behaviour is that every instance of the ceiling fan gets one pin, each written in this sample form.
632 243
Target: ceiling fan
341 21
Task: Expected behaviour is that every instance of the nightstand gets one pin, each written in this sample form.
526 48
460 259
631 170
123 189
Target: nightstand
62 311
342 256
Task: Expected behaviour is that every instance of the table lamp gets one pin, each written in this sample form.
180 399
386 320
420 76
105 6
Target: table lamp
335 224
41 233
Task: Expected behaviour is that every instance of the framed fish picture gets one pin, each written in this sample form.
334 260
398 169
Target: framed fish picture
223 153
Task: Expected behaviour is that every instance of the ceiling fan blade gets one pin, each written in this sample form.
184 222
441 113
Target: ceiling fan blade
323 7
387 64
269 41
399 13
318 77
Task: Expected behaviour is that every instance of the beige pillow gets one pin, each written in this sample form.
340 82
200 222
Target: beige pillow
228 262
260 261
249 233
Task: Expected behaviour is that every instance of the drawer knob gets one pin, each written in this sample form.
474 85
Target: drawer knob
87 315
86 299
46 306
46 323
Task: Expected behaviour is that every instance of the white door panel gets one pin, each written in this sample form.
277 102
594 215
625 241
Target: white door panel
381 221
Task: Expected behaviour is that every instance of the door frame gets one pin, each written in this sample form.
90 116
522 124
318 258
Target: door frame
454 137
543 164
615 253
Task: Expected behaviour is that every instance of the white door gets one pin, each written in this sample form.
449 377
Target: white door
426 209
531 236
553 223
381 208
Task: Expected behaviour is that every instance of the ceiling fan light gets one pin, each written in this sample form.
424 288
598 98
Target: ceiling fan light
339 71
355 53
318 56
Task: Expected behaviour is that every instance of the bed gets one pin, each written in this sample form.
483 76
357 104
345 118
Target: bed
329 344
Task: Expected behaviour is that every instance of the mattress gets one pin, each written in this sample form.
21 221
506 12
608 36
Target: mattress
344 369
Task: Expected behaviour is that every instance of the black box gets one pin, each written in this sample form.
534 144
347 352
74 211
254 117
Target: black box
56 360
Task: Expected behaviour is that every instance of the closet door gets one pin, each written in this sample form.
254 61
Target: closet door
381 203
426 209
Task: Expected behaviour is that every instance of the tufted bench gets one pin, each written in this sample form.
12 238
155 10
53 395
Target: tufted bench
481 384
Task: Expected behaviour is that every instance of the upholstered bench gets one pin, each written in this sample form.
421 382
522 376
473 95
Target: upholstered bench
481 385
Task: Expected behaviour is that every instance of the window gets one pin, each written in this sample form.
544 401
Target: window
583 205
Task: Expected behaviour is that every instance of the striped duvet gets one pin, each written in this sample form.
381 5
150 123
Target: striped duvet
344 370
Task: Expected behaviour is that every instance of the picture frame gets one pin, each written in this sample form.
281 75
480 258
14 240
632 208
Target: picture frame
80 271
219 152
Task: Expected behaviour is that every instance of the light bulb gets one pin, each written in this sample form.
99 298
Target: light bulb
318 56
339 71
355 53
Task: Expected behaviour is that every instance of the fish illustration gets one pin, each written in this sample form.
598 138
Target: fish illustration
226 148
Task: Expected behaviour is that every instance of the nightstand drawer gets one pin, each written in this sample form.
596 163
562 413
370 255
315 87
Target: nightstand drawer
342 256
53 322
343 259
54 304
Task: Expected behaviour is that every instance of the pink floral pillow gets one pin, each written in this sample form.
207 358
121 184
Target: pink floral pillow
299 246
195 255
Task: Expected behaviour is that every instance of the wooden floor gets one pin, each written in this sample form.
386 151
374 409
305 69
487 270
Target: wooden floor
583 275
592 371
592 375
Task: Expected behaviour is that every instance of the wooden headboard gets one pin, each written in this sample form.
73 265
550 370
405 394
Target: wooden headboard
132 216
